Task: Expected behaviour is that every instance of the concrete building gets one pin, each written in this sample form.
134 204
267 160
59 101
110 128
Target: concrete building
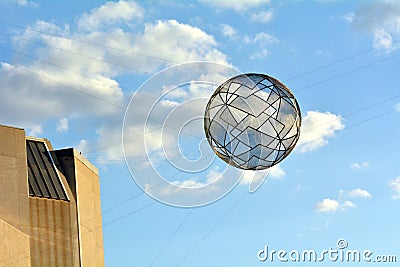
50 212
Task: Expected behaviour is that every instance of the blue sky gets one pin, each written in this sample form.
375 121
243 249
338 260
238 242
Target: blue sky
69 69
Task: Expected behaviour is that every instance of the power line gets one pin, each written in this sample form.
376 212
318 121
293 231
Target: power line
298 145
312 85
80 91
236 204
337 62
54 65
77 54
89 43
175 62
102 213
171 237
87 232
383 101
94 44
347 72
68 86
303 88
244 195
222 218
335 77
211 229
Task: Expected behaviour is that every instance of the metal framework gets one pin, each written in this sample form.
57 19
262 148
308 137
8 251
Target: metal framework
43 178
252 121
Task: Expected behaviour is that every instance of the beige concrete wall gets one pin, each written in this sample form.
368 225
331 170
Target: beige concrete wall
14 204
14 246
54 238
54 233
89 212
44 232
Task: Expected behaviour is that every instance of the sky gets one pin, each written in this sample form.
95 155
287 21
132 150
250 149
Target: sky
126 83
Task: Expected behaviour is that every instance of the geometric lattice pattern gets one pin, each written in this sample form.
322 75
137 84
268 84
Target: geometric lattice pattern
252 121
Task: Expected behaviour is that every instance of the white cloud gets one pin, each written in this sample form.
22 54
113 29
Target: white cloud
298 188
261 38
158 44
228 31
239 6
110 143
212 176
327 205
35 94
82 146
316 128
62 125
349 17
263 54
187 101
275 172
175 42
193 189
321 52
382 40
382 20
90 86
397 107
110 13
86 86
359 193
348 204
256 176
264 16
22 2
189 183
264 39
395 186
35 130
356 165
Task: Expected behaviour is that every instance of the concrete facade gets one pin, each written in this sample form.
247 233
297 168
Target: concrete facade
39 231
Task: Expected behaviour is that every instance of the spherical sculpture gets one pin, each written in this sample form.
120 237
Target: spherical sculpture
252 121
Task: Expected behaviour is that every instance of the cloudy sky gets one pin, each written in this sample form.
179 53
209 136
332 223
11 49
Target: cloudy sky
70 69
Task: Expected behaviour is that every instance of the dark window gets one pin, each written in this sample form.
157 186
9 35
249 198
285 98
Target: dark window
43 178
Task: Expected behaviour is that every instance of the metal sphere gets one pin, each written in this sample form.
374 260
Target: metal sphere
252 121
